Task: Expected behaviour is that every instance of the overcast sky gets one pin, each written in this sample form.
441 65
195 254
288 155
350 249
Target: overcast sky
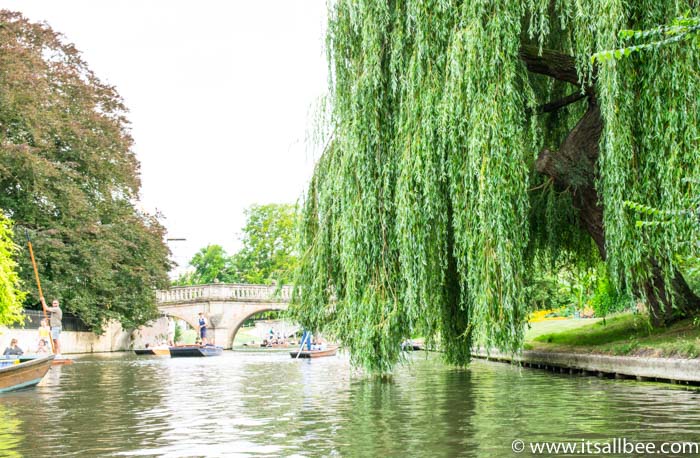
220 95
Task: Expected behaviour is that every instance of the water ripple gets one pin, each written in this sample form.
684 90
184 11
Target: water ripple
269 405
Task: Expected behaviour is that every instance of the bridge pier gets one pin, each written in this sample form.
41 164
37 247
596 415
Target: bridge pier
226 306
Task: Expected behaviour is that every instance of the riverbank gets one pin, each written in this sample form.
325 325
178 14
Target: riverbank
621 335
622 346
114 338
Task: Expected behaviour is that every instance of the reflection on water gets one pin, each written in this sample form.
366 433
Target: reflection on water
10 437
270 405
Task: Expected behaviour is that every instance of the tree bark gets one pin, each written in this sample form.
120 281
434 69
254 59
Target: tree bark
549 62
574 168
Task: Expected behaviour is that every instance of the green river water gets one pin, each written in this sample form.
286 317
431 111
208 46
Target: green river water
259 404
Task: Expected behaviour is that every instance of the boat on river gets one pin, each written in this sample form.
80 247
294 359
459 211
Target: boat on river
330 351
410 345
16 374
195 351
258 349
58 360
153 351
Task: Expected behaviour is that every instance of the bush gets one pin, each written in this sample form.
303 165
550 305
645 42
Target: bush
607 299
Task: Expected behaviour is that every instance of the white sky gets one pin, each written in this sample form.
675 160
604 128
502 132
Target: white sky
220 94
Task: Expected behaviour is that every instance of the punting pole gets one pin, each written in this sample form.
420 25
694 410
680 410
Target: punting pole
303 341
38 285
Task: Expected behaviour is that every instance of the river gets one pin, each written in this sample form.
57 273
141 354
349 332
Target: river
243 404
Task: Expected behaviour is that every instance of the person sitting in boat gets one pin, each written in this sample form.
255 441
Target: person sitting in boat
13 349
44 330
43 348
318 344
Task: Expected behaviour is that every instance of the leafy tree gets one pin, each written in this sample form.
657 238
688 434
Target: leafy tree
683 29
11 296
473 140
69 176
211 264
267 254
268 240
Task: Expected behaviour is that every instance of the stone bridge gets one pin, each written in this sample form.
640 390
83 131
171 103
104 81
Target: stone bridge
226 306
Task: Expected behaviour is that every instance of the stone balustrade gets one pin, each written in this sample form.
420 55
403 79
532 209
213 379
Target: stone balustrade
224 292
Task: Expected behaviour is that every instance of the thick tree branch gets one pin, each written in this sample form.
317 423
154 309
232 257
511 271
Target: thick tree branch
551 63
561 103
574 167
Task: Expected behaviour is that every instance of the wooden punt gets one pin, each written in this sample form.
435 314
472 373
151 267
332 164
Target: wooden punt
284 345
61 361
24 374
410 346
195 351
330 351
257 349
157 351
57 361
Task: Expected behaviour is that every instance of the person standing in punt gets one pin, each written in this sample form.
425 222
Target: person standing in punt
56 324
203 328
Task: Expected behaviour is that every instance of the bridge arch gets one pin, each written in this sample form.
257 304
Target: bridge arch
242 320
226 306
175 316
182 317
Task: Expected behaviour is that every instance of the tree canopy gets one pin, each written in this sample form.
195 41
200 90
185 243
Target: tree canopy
69 176
267 255
211 264
474 140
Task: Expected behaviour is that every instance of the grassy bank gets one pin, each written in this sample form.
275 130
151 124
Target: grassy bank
625 334
246 335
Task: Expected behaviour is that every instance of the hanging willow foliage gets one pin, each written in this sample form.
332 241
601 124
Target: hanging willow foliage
465 149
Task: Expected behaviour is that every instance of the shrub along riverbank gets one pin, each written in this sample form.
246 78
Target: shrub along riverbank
621 335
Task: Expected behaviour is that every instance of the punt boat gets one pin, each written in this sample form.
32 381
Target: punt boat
153 351
195 351
16 374
330 351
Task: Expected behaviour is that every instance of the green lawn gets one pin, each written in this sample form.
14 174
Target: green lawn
547 327
625 334
188 337
245 335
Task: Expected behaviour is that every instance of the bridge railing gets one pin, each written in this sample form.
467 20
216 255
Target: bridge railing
224 291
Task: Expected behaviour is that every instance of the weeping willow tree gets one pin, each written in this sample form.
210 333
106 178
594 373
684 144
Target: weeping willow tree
473 140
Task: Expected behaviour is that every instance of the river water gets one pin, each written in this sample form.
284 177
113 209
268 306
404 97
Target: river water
243 404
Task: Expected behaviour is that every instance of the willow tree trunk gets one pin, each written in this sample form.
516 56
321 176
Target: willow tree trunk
574 168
